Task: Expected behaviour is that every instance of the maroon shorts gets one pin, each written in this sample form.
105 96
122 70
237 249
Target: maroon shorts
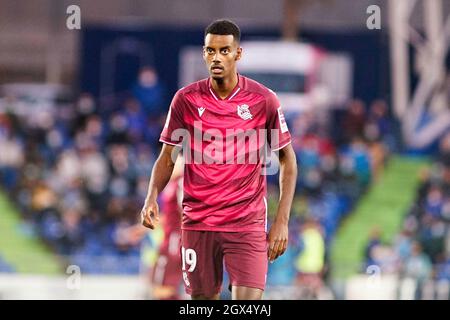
166 271
204 254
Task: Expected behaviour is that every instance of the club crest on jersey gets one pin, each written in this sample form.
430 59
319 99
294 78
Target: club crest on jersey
244 112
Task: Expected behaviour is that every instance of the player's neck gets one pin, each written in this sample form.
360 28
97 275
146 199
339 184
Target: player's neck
223 87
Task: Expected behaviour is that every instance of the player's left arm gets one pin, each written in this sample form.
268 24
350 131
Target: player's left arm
278 234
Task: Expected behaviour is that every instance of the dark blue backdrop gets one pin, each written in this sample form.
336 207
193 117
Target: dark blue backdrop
369 50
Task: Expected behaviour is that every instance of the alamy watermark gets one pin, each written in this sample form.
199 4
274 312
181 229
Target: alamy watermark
373 22
235 146
73 21
73 282
373 282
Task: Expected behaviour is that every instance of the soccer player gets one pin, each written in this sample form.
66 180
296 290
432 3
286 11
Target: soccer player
223 123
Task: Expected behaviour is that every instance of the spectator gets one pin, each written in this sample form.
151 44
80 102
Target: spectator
444 151
85 106
135 120
11 159
418 267
373 242
379 124
354 121
356 162
150 93
403 245
310 263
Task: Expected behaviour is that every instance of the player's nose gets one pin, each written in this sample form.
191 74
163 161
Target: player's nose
216 58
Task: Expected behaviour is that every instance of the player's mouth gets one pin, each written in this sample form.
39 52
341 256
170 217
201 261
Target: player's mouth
216 69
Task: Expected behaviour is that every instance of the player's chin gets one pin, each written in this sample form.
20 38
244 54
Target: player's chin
216 76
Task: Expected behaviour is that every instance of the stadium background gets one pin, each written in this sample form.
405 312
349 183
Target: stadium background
79 123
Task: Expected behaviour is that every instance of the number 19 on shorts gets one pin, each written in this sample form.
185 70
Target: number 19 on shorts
189 257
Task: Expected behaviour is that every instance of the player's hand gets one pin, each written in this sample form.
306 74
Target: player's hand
150 214
277 240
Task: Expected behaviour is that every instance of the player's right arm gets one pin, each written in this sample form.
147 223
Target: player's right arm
162 170
171 136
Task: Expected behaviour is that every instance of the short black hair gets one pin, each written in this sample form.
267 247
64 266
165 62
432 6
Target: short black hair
224 27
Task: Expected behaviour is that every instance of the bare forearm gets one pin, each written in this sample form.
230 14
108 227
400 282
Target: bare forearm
279 231
288 179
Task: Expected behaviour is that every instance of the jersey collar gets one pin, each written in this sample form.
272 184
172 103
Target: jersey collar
232 94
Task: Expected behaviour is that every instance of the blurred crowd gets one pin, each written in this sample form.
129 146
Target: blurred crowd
421 252
79 174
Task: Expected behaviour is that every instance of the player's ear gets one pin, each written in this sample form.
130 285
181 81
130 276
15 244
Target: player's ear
238 53
204 53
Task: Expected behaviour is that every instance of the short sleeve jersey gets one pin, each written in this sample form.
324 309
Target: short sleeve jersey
225 142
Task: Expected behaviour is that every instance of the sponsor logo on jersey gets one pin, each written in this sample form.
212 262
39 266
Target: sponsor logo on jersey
283 124
201 110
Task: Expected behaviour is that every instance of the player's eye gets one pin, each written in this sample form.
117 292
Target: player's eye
209 50
225 51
